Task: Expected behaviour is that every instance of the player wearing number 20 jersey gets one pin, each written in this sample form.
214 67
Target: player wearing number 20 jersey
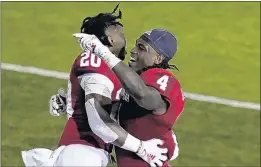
92 88
96 72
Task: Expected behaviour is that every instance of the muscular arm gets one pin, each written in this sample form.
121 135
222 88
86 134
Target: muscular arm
97 103
101 104
145 96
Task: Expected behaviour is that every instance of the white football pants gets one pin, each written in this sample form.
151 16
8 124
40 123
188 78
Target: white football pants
71 155
82 155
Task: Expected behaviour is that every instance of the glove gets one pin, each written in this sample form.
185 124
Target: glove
57 103
150 152
92 43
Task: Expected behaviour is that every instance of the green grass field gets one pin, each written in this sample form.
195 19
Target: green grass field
218 55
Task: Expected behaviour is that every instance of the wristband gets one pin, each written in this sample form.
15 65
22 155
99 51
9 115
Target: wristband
111 60
131 143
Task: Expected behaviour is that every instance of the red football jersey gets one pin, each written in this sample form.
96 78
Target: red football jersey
77 129
143 124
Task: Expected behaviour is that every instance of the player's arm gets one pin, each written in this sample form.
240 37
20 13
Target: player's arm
146 96
105 127
98 89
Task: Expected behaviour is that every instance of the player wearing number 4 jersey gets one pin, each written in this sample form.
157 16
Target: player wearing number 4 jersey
153 98
92 88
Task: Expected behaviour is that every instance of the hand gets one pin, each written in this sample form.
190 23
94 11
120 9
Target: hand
92 43
57 103
150 152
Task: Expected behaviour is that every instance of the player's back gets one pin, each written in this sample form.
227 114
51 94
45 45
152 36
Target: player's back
145 125
77 129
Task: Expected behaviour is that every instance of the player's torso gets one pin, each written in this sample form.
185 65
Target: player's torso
145 125
77 129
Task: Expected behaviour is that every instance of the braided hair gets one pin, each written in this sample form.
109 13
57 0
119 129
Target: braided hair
97 25
165 65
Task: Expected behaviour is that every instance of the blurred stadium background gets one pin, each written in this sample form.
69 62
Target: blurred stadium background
219 55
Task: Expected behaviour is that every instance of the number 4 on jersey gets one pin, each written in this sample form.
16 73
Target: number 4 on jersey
163 82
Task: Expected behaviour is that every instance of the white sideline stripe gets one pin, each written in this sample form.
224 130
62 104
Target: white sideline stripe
192 96
217 100
34 70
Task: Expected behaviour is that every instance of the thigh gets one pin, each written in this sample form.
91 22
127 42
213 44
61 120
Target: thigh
82 155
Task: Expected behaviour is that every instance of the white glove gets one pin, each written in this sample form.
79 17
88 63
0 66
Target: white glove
57 103
92 43
150 152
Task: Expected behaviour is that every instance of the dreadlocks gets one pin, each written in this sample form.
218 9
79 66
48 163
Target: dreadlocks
164 64
97 25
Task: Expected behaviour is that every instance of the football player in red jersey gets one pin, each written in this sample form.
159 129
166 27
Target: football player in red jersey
153 98
92 88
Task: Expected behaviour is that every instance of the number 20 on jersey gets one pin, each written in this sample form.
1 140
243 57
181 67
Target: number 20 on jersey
89 59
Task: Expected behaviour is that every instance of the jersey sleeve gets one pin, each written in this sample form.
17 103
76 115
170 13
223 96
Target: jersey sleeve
170 88
97 84
162 80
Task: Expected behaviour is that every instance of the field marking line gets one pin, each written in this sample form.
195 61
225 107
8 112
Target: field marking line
192 96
